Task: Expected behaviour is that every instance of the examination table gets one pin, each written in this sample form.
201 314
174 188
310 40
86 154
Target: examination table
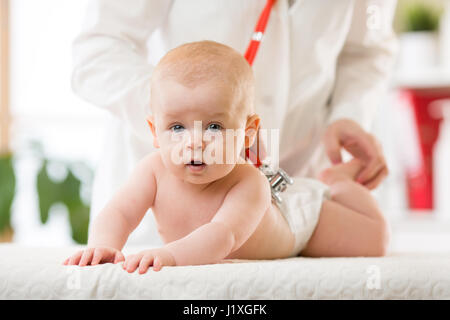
37 273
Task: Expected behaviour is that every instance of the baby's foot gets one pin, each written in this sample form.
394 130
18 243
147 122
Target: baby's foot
342 171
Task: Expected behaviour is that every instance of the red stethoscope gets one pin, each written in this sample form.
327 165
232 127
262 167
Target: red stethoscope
257 152
278 179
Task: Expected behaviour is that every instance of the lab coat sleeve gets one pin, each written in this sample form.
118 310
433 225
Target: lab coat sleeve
110 57
365 62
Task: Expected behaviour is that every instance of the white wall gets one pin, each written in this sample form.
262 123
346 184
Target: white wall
44 108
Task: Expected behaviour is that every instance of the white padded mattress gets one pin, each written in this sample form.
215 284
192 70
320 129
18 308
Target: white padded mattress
37 273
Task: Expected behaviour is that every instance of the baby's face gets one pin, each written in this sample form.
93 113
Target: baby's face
200 131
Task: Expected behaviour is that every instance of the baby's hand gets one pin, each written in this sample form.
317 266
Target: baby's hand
144 259
94 256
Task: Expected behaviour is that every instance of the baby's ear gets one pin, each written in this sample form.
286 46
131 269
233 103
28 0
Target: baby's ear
150 121
251 130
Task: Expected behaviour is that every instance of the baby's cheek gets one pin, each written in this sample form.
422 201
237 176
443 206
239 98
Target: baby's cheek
172 154
234 150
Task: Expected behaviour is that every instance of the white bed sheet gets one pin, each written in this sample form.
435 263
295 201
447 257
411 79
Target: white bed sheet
37 273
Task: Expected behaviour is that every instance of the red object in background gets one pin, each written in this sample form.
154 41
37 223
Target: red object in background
257 151
420 183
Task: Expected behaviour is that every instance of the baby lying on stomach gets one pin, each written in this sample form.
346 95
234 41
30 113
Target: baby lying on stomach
209 203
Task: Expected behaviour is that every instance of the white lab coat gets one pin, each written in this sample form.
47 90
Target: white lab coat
320 60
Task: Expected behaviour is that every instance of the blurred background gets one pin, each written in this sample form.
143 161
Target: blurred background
50 139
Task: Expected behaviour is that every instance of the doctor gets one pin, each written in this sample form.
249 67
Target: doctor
320 72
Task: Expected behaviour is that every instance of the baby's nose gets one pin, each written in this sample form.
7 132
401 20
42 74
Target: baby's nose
195 140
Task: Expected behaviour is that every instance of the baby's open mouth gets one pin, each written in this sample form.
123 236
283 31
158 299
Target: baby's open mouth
196 165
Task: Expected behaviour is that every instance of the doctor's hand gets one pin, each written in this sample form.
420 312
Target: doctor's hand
348 134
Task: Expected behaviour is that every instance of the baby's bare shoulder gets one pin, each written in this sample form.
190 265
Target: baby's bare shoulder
249 171
148 168
152 161
248 176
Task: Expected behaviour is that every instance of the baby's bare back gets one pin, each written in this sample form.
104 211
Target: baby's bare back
179 209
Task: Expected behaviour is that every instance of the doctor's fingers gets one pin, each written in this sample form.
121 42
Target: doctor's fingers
371 170
375 161
363 146
332 147
379 177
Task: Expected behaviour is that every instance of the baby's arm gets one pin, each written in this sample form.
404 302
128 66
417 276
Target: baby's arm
119 218
235 221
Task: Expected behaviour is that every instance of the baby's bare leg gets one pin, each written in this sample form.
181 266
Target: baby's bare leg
350 224
347 192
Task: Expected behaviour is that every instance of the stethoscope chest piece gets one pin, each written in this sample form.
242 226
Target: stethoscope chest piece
278 180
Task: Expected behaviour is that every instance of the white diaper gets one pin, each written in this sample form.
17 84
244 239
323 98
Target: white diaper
302 202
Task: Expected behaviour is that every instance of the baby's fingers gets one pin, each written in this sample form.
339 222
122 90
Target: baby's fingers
86 257
132 262
127 259
146 262
157 264
119 257
99 255
75 259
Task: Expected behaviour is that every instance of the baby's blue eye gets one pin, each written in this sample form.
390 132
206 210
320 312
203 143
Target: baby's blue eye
177 128
214 127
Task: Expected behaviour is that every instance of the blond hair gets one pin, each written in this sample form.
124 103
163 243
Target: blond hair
196 63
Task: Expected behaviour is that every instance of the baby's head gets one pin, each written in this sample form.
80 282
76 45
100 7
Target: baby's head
202 105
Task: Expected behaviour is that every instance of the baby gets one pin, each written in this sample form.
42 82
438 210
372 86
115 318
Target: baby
209 203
